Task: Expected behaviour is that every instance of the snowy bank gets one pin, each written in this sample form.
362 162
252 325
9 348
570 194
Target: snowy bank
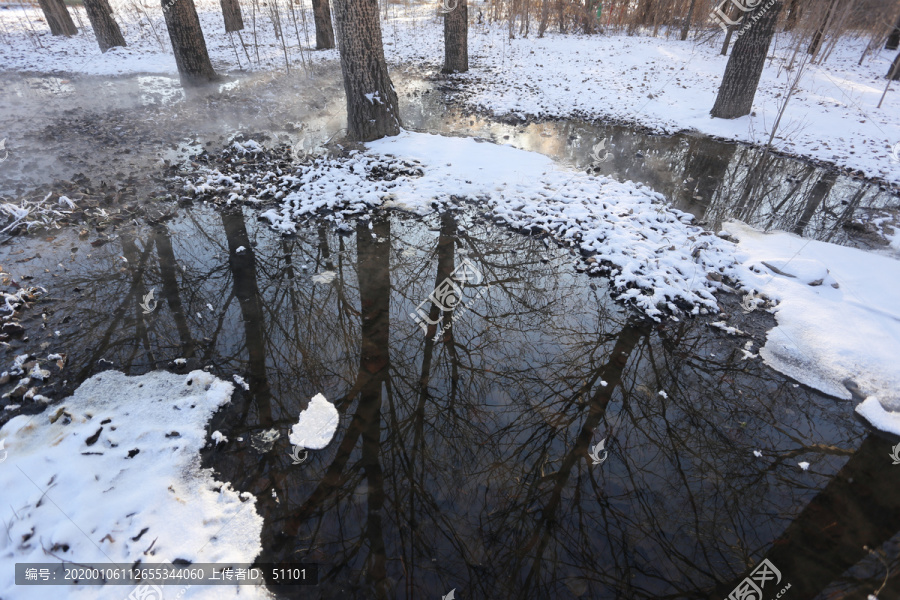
656 258
112 474
838 312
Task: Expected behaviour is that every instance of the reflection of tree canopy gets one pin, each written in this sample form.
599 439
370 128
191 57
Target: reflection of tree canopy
463 462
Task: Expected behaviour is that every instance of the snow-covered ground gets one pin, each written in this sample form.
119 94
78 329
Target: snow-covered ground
838 315
112 475
660 83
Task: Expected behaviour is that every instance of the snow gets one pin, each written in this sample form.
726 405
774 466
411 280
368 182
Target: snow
661 83
218 437
88 476
825 334
757 454
241 382
875 413
655 256
239 250
803 465
316 426
324 277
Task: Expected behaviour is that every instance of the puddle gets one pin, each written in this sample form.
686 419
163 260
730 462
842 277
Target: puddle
60 126
464 462
713 180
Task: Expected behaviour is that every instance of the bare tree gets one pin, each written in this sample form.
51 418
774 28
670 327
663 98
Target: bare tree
188 43
324 30
456 39
745 65
371 100
105 27
58 17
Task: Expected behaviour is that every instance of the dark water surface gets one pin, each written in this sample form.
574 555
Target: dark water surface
463 463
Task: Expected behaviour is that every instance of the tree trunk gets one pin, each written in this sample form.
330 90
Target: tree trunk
817 36
456 39
816 196
545 17
894 72
687 21
187 42
324 30
58 17
371 100
793 15
231 11
729 29
893 40
745 65
105 27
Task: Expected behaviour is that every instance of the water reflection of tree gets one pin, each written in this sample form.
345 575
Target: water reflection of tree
467 467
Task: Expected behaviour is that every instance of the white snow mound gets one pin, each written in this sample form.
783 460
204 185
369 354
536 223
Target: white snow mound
316 426
114 471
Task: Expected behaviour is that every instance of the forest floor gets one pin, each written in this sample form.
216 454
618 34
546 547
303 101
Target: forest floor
659 83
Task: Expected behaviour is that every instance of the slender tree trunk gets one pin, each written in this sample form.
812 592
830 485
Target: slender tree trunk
371 100
324 30
893 40
561 15
745 65
188 42
817 36
170 293
105 27
729 29
231 11
545 18
687 21
816 196
794 12
456 39
58 17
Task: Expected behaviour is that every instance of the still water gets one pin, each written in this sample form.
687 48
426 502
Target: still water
463 462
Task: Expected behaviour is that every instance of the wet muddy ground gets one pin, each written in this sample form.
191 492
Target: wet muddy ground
462 460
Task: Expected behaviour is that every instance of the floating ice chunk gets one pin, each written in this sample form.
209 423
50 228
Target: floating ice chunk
240 381
324 277
316 426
